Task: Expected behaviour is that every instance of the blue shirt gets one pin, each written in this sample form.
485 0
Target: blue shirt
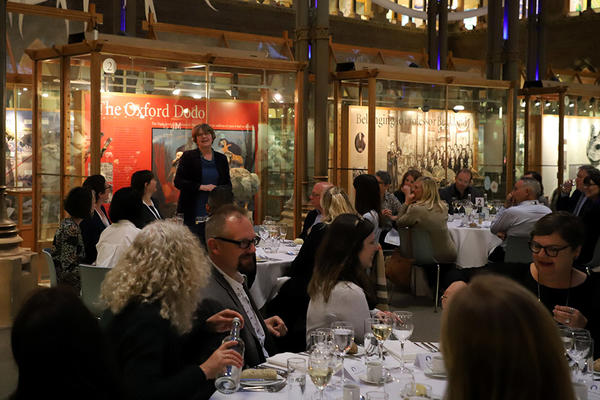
210 176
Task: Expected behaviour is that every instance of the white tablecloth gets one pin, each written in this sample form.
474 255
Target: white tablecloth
473 245
268 271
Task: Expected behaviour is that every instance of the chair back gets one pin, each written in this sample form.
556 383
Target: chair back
91 280
517 250
594 263
51 267
422 248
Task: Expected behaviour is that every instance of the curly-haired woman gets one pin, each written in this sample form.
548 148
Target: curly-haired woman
152 294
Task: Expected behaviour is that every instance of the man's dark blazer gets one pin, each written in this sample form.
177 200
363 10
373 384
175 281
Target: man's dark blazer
308 222
568 203
91 228
218 295
188 179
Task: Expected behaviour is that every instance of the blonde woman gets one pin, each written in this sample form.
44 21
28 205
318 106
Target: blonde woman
292 301
500 343
152 294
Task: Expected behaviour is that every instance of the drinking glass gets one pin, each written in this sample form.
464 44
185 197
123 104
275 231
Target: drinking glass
402 384
273 237
343 337
282 232
320 369
179 218
580 348
403 327
377 396
566 335
296 379
381 326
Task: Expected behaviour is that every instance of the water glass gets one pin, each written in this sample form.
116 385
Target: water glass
296 379
179 218
403 327
402 384
377 396
282 232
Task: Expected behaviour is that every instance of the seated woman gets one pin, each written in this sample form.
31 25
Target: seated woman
117 238
152 294
424 210
144 184
367 201
408 179
60 350
339 282
67 248
292 300
498 342
92 227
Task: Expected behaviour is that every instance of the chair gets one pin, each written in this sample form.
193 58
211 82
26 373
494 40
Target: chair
516 250
91 280
594 263
422 252
51 267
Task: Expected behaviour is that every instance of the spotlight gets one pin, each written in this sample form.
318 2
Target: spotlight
458 107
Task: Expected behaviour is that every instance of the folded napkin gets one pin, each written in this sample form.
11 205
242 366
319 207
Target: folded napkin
410 349
423 360
280 360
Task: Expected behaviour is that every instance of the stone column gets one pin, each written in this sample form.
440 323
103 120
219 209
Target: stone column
432 48
321 62
443 33
494 39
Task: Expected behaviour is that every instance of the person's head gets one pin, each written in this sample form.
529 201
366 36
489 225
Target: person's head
218 197
427 194
367 195
499 342
59 348
591 182
526 189
97 183
556 241
317 191
124 205
463 179
334 202
535 175
230 239
203 135
410 177
384 180
347 249
164 264
79 202
143 182
582 173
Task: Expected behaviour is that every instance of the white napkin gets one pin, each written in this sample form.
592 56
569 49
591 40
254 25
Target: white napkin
260 253
422 361
280 359
410 349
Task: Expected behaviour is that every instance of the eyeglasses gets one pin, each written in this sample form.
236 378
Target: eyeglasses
551 251
242 244
589 184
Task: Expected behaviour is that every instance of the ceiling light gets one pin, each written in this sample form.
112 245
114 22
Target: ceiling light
176 91
45 95
278 97
459 107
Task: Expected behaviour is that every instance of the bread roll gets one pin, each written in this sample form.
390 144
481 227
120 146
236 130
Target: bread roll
266 373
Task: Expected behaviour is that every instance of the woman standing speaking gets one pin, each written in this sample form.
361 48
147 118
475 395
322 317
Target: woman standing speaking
198 173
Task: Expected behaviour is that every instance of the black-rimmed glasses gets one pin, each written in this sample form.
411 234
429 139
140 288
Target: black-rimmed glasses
551 251
242 244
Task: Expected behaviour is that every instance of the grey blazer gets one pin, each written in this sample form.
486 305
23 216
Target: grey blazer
217 296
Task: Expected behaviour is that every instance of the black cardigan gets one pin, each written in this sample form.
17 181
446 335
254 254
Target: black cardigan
188 179
91 228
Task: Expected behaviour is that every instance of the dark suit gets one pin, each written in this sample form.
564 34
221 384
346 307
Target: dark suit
590 216
450 192
308 223
188 179
91 228
568 203
217 296
146 216
150 356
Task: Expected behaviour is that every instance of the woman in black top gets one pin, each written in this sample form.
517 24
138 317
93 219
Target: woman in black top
152 295
92 227
144 184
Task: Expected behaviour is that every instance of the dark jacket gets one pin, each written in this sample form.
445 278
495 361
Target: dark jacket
91 228
146 216
450 192
188 179
590 216
218 295
150 357
568 203
308 222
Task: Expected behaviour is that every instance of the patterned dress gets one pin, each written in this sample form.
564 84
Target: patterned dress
67 252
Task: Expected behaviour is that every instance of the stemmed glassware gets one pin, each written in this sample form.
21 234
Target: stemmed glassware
320 369
403 327
580 349
381 326
343 337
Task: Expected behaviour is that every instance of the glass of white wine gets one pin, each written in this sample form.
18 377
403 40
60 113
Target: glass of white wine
403 329
343 337
320 369
381 326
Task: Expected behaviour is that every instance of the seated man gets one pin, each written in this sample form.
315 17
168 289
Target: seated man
314 216
230 241
461 189
519 220
575 202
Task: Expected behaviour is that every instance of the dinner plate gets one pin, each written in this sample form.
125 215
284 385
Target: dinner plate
364 379
262 382
434 375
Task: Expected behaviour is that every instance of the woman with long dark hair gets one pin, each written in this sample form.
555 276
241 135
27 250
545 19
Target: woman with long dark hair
367 201
92 227
144 184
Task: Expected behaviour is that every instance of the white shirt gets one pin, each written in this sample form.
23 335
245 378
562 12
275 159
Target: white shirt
519 220
114 241
238 287
347 302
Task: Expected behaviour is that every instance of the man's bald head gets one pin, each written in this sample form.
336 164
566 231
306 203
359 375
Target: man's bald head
315 196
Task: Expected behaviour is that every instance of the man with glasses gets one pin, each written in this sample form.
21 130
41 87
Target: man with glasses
231 242
574 203
314 216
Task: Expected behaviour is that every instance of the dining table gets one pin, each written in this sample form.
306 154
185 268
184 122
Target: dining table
474 242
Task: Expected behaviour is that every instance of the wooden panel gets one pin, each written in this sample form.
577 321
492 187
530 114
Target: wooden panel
44 11
95 121
36 146
299 152
372 112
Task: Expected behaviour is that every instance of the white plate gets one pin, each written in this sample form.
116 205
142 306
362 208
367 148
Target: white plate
364 379
435 375
261 382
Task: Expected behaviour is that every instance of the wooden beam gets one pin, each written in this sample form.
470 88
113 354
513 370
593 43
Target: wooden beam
299 154
36 150
65 137
372 113
352 75
11 55
337 138
95 115
19 78
561 138
44 11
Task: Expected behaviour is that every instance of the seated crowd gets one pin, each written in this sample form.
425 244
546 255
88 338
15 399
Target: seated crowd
174 289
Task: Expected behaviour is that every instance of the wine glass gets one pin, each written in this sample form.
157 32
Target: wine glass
320 369
403 327
282 232
580 348
343 337
381 326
